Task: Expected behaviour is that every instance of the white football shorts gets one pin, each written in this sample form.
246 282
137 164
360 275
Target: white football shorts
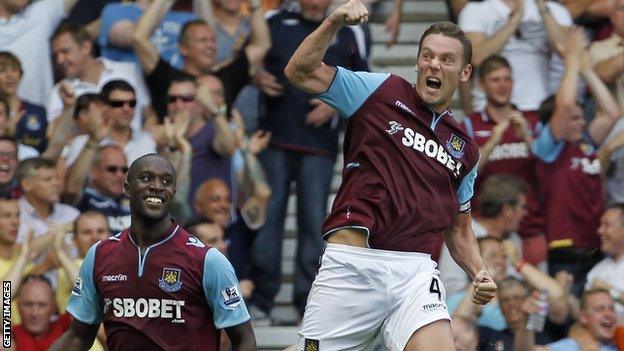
367 299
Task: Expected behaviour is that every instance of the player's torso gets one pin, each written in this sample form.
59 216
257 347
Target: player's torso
401 176
157 292
573 194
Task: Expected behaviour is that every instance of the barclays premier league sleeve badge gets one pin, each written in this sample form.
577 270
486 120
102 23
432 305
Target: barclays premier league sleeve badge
77 288
231 296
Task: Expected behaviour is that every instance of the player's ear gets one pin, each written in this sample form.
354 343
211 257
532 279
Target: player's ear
466 72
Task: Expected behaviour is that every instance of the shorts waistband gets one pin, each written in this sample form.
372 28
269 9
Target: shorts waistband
365 252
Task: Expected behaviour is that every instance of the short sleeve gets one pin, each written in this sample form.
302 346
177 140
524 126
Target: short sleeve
471 19
564 345
466 189
545 147
560 13
222 292
349 90
85 304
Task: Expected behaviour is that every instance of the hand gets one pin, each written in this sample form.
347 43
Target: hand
204 97
97 127
350 13
393 26
530 306
259 141
268 83
26 250
565 279
499 129
484 288
519 123
68 95
320 114
575 43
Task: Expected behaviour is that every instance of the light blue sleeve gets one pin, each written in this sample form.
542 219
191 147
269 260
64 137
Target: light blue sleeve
466 190
349 90
545 147
564 345
85 304
222 292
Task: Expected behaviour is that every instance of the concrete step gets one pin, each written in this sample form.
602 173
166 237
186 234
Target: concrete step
285 315
275 338
413 11
410 33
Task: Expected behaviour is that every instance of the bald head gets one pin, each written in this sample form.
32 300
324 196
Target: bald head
151 186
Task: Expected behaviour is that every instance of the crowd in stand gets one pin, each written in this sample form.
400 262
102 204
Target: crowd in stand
87 87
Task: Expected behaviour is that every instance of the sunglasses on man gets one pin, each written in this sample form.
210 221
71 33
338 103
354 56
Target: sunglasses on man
122 103
174 98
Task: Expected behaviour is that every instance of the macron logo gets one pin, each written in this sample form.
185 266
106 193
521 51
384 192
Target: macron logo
404 107
115 278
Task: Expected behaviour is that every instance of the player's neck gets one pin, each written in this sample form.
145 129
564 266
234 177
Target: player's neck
498 113
148 231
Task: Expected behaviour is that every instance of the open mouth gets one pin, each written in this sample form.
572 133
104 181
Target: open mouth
433 83
607 324
5 168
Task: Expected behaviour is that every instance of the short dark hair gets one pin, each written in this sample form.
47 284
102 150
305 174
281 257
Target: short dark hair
499 190
451 30
617 206
192 225
187 26
511 281
27 168
492 63
116 84
83 102
9 59
546 109
78 32
90 213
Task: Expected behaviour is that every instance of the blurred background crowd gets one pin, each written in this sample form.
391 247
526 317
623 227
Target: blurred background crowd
88 86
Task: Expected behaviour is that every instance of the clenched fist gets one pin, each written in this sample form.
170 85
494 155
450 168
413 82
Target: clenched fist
484 288
350 13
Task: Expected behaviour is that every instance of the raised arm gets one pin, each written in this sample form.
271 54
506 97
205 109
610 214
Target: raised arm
79 337
144 48
260 40
225 141
610 69
393 23
484 46
306 70
203 9
16 271
556 32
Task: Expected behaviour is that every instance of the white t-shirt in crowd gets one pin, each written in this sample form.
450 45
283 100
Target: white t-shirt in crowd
528 51
612 272
141 143
113 70
27 35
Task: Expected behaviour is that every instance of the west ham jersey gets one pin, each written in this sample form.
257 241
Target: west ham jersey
408 169
511 156
173 295
572 191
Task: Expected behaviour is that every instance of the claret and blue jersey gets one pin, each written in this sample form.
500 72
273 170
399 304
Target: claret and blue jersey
408 169
173 295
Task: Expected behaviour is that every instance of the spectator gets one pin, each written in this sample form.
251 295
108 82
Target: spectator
513 296
525 32
232 27
303 149
105 168
608 274
26 28
119 21
607 56
210 234
84 73
501 206
115 128
495 254
39 205
38 330
568 171
597 325
25 121
505 135
9 155
197 48
465 334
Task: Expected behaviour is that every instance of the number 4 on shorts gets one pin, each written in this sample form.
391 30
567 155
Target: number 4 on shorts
435 288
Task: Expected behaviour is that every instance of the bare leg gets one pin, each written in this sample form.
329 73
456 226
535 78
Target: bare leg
432 337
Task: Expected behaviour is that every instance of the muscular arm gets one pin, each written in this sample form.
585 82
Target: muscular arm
78 172
144 48
306 70
610 69
242 337
556 33
79 337
608 108
463 246
486 46
224 141
204 10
